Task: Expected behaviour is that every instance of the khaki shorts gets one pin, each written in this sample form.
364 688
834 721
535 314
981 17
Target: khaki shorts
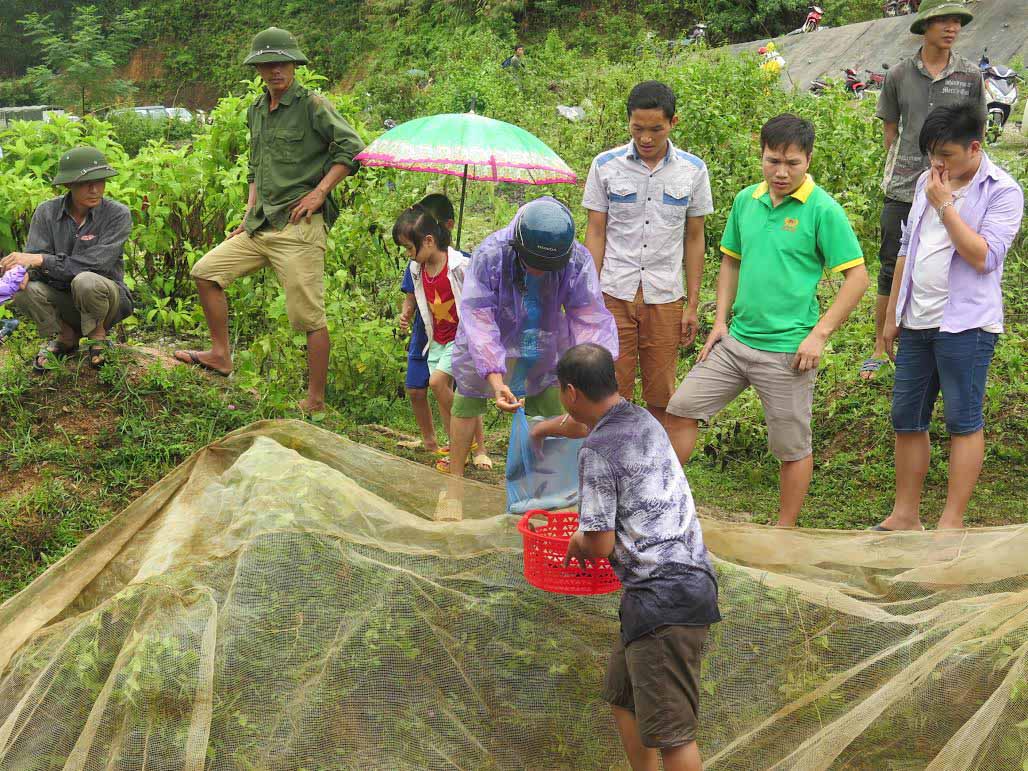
657 677
649 337
787 394
296 254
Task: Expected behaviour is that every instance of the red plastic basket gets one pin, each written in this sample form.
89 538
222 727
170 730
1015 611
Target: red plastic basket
545 547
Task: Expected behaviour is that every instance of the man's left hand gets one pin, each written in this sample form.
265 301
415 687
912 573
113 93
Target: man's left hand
690 326
938 189
21 258
808 355
307 206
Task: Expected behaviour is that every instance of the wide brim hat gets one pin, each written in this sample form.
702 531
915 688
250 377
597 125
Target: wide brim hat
936 9
83 164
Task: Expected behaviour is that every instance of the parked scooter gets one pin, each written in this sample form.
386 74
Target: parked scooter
876 80
855 87
1000 94
813 21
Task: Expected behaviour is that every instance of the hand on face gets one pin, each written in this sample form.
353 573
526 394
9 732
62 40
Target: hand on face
938 190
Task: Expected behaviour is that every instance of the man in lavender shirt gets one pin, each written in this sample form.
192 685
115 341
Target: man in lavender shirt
946 308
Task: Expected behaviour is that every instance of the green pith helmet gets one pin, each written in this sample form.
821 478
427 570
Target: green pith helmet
936 9
82 164
275 45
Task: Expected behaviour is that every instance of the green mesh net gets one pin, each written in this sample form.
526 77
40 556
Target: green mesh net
283 600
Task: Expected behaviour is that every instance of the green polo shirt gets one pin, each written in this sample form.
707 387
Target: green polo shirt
291 149
783 251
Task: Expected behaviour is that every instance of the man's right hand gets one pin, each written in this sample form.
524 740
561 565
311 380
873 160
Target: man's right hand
719 331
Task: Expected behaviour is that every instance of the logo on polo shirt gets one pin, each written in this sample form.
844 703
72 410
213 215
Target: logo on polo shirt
790 224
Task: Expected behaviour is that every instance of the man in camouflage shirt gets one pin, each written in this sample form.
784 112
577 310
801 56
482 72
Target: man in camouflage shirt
300 149
933 77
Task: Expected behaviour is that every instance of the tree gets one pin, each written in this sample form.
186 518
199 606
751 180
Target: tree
80 66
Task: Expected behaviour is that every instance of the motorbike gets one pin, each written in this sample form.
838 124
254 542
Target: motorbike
813 21
899 7
855 87
876 80
1000 94
813 18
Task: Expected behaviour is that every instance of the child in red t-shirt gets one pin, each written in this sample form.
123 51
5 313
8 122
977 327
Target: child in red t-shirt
437 273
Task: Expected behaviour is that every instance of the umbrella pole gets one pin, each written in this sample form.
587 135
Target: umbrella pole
463 192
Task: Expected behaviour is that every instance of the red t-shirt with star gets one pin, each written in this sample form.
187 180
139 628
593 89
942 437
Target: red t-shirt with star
439 294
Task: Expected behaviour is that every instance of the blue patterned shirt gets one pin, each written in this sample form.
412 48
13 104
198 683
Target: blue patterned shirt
631 482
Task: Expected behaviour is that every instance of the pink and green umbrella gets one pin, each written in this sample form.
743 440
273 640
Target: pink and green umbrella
469 146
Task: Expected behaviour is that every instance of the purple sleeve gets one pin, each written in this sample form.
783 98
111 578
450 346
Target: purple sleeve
589 321
1001 223
10 283
478 311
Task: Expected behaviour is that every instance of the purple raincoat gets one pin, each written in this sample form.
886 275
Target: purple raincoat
10 283
519 325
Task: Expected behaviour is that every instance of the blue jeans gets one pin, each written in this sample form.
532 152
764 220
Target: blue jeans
955 362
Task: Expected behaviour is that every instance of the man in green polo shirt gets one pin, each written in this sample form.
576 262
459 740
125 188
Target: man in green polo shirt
300 149
780 238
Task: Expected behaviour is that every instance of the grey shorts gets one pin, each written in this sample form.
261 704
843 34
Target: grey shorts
787 394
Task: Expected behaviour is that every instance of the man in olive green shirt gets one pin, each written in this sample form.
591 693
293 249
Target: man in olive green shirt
300 149
780 238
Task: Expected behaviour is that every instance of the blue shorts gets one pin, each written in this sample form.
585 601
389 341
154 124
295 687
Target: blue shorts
955 363
417 372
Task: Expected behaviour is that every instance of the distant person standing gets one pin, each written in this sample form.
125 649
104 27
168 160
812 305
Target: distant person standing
300 149
516 60
935 76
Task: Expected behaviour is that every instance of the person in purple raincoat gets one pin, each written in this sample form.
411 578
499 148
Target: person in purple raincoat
530 293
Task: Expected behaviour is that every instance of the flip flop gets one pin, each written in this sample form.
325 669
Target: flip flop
872 365
194 361
883 529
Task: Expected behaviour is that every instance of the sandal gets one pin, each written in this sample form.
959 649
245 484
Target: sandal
97 350
872 366
53 349
443 465
482 461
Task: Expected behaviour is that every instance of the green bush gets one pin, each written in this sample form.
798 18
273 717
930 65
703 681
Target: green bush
133 131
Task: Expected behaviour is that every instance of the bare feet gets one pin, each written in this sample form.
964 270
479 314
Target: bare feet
310 406
950 523
221 365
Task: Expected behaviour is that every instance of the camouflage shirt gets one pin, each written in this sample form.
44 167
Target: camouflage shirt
909 94
291 149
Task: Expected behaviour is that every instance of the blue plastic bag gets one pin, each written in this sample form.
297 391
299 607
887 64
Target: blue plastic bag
544 477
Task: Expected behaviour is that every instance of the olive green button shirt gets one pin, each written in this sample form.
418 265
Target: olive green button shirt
291 150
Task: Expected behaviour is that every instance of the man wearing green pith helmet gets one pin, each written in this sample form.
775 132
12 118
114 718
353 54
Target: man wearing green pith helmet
74 252
300 149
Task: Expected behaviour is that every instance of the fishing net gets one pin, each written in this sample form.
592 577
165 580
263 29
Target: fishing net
283 601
